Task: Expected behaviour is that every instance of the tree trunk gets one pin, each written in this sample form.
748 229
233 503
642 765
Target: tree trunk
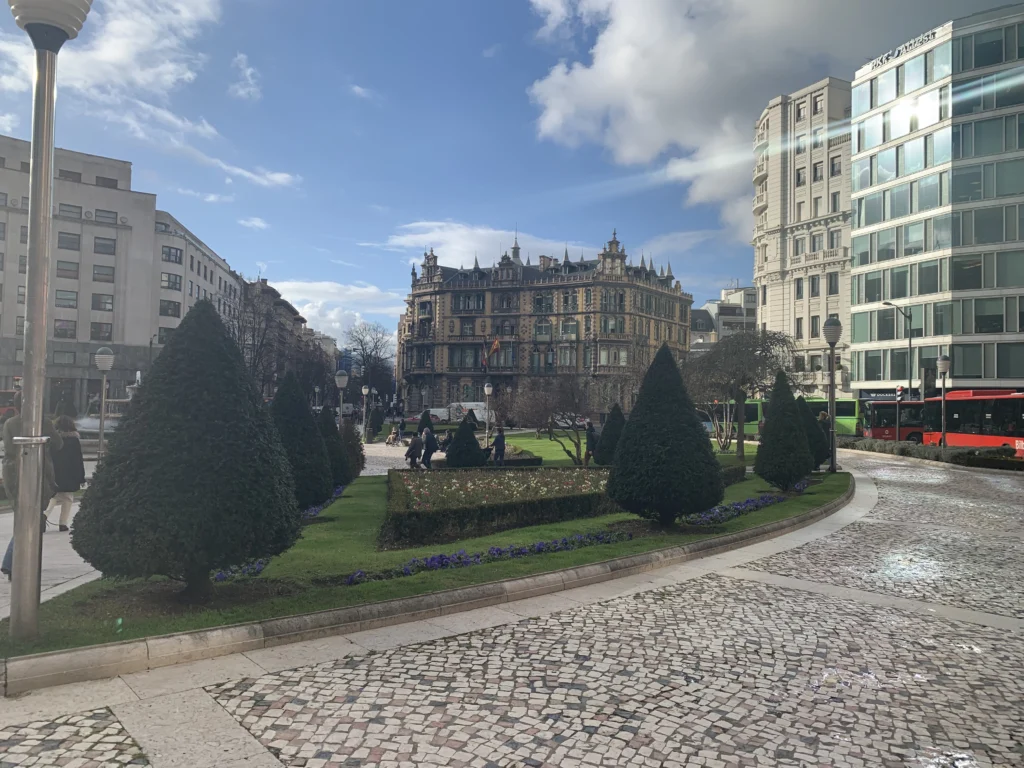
741 413
198 587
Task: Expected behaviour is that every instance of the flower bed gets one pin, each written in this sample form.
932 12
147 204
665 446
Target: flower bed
431 508
725 512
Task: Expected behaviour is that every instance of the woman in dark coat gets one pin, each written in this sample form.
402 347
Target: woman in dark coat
413 454
68 470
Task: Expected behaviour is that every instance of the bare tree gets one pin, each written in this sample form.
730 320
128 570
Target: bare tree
558 406
254 329
739 366
314 368
372 350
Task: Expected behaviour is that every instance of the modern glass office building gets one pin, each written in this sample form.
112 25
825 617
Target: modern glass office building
937 188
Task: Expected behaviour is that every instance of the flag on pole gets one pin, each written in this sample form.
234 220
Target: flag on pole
495 347
483 357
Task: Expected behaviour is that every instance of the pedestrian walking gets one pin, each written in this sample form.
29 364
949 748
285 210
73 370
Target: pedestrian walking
429 446
12 471
499 448
591 443
414 452
68 470
401 428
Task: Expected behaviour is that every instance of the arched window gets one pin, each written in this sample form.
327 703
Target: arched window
604 324
621 325
588 297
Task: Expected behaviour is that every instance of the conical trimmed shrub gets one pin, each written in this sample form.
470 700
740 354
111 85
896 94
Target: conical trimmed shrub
337 456
664 466
303 443
425 423
353 448
606 444
817 442
783 457
194 478
465 451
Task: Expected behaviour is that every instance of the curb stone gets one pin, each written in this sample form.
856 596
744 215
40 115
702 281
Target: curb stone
929 463
19 674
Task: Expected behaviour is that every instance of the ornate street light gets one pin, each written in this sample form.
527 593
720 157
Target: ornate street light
488 389
340 380
366 427
942 366
49 24
833 331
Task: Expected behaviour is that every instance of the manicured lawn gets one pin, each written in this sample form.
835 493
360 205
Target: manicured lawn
343 541
554 456
729 459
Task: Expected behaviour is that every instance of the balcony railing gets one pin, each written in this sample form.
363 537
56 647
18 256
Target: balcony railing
760 170
505 310
760 201
838 141
760 138
467 311
466 369
466 337
568 337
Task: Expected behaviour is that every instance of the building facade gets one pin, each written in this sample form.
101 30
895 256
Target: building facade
735 311
504 323
938 206
802 222
123 274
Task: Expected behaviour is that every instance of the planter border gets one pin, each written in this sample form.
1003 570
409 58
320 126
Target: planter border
97 662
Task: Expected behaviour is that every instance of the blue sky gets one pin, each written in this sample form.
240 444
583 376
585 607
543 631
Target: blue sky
327 143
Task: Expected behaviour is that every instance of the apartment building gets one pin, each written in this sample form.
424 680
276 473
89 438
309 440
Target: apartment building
734 311
122 273
801 235
515 320
938 206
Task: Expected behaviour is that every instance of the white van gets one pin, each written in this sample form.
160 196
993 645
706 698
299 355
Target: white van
457 412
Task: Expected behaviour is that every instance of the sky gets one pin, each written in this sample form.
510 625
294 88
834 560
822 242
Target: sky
325 144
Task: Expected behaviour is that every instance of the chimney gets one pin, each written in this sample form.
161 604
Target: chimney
544 261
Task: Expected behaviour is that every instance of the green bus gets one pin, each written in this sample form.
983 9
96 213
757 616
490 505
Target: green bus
848 415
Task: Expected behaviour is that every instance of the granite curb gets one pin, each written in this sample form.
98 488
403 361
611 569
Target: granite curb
930 463
97 662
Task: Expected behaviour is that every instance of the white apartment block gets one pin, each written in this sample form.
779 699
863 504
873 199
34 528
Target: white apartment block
802 222
938 187
116 279
733 312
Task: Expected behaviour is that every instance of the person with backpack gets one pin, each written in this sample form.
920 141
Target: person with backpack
401 429
498 446
68 470
429 446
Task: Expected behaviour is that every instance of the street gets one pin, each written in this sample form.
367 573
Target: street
889 634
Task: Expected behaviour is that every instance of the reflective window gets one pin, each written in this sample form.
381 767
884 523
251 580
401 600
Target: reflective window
899 201
928 104
1010 178
885 168
870 210
928 196
988 315
861 177
901 119
988 225
966 272
860 99
941 232
940 147
913 239
885 245
912 157
873 286
942 318
861 327
988 48
966 362
913 74
885 88
938 62
871 132
886 324
1010 365
927 277
966 184
899 282
861 250
1010 269
988 137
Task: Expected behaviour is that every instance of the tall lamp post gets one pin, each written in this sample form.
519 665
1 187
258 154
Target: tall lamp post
340 381
366 426
488 389
316 395
910 352
942 366
49 24
104 362
833 331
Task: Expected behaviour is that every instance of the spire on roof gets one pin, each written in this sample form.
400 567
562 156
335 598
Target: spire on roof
581 256
668 272
642 264
565 257
476 262
661 273
527 259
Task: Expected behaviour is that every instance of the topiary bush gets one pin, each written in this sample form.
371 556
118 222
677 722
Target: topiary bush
189 485
609 439
301 438
465 451
337 455
353 448
664 467
67 408
783 457
734 474
817 442
376 422
472 419
425 423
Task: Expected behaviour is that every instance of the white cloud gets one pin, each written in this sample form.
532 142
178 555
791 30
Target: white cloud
254 222
8 122
248 86
688 79
261 177
491 51
346 263
457 244
333 308
207 197
361 92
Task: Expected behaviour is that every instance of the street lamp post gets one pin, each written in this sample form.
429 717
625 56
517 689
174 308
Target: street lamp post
49 24
942 366
488 389
910 352
366 426
833 331
340 380
104 362
316 395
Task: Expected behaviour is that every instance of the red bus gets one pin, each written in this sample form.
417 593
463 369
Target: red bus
977 418
7 402
880 421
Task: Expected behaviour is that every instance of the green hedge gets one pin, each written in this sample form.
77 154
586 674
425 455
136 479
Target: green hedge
510 461
403 527
734 474
992 458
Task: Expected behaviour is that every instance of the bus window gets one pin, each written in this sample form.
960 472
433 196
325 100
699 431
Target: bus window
844 408
964 416
912 415
1003 417
750 413
883 415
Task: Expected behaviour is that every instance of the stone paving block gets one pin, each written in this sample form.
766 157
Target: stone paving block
42 670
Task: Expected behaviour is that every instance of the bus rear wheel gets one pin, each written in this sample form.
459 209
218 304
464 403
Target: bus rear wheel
915 438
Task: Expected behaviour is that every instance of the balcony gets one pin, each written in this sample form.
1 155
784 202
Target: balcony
760 202
506 310
761 225
466 337
760 171
422 337
421 368
838 141
467 311
466 369
567 337
760 139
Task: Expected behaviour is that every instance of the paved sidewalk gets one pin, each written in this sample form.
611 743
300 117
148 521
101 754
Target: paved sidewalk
820 647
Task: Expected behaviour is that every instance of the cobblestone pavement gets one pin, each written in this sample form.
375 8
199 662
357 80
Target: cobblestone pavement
772 663
714 671
89 740
942 535
380 458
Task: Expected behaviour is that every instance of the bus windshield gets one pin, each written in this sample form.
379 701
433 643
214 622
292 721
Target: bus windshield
884 414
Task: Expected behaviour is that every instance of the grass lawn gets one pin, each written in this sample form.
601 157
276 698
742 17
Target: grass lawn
554 456
342 542
729 459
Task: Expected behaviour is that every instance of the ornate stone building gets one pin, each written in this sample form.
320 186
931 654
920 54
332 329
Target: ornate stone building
504 323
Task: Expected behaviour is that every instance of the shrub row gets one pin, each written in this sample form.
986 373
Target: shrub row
404 526
510 461
991 458
733 474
